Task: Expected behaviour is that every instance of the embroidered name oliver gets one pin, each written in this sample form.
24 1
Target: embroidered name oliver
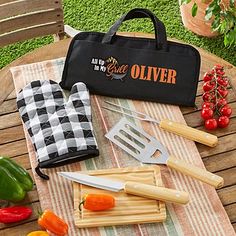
151 73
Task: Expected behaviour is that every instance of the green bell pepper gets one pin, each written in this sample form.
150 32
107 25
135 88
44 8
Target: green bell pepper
15 181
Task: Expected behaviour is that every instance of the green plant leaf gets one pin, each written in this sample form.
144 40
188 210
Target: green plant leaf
184 2
215 25
208 13
231 3
223 26
216 10
231 21
194 9
215 5
228 39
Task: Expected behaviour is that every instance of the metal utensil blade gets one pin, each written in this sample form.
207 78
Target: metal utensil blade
136 142
132 113
93 181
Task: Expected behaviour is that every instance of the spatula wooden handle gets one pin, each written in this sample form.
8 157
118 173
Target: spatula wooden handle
189 132
195 172
157 193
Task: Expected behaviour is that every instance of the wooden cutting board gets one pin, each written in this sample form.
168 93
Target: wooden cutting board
129 209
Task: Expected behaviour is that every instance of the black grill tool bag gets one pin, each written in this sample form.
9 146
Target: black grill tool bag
137 68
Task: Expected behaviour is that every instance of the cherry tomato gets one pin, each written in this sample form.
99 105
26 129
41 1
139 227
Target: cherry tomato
219 69
220 72
208 104
223 121
223 81
211 124
207 77
226 111
222 91
221 102
207 86
208 97
207 113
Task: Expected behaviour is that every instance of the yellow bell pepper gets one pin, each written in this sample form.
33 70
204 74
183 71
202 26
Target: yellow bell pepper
38 233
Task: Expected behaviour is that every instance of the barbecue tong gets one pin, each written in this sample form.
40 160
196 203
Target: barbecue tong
168 125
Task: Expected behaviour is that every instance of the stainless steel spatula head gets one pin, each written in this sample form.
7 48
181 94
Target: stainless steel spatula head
137 142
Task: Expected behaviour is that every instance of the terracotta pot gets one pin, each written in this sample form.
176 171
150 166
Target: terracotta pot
197 24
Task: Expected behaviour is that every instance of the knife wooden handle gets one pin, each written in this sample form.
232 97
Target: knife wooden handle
195 172
157 193
189 132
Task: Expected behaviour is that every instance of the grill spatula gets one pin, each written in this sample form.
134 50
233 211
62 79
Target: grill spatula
142 146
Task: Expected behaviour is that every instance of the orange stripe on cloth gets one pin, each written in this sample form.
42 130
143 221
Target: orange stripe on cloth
115 162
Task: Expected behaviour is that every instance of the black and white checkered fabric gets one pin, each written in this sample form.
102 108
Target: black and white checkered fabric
61 131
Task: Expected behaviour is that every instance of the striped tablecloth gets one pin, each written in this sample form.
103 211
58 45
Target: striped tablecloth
204 215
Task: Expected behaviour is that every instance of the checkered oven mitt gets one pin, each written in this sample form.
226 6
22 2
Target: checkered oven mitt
61 131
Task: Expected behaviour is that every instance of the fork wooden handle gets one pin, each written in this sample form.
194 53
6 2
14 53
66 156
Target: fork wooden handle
189 132
195 172
156 193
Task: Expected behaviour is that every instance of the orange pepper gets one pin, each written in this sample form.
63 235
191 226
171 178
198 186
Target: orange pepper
51 222
38 233
97 202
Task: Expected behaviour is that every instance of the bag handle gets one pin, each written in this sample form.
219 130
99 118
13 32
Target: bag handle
160 30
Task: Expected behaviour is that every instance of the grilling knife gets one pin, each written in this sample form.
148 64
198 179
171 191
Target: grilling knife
130 187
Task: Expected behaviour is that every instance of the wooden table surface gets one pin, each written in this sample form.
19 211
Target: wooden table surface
220 160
